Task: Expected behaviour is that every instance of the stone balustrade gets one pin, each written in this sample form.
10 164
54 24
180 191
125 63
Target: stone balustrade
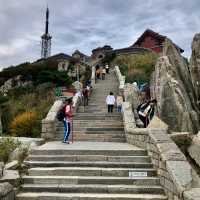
172 167
49 123
120 78
93 77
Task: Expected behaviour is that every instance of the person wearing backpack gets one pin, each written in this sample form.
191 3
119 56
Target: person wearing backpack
146 111
67 120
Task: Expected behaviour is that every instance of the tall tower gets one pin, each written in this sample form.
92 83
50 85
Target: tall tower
46 39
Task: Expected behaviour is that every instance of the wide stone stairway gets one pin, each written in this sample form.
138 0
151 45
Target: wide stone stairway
92 122
101 167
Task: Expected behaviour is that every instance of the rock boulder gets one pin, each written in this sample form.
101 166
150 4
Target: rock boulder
173 89
195 66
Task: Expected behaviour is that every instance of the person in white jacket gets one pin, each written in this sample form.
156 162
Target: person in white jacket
110 101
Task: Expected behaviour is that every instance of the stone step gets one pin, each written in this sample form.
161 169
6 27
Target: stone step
140 159
97 117
90 133
104 180
93 139
94 123
86 196
134 152
94 129
107 189
87 164
89 171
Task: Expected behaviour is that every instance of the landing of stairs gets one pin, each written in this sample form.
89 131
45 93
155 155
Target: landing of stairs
57 145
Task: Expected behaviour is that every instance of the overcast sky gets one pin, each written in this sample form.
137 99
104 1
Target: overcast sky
87 24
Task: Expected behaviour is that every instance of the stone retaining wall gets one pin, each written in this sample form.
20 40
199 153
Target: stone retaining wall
172 167
174 171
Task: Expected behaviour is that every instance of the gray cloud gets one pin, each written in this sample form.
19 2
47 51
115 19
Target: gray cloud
86 24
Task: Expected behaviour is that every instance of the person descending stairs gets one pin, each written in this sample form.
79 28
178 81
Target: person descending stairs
101 166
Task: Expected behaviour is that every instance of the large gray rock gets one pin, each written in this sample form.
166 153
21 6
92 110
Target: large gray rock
194 149
172 87
1 169
6 191
195 65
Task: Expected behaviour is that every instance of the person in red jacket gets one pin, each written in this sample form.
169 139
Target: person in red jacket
67 121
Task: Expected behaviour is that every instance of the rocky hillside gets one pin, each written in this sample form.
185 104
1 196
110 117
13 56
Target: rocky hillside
173 86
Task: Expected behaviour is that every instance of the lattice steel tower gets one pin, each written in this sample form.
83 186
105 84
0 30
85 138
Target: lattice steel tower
46 39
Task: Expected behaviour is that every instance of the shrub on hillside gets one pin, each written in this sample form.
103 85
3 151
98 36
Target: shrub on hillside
3 99
7 146
136 67
56 77
18 91
24 125
109 58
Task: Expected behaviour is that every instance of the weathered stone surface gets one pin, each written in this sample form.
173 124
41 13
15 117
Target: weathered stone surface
1 169
181 174
11 176
195 65
157 123
192 194
194 149
169 151
173 89
131 94
6 190
180 136
159 137
12 165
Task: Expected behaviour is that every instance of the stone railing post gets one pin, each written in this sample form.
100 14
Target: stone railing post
121 79
49 123
93 79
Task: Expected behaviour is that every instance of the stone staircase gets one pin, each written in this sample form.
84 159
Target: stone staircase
90 170
92 122
101 166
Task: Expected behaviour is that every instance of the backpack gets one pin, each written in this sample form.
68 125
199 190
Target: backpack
61 114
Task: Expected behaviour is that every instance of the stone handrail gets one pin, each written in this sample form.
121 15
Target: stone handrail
173 169
120 78
49 123
93 79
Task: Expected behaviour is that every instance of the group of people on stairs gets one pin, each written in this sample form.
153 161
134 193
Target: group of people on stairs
101 71
145 110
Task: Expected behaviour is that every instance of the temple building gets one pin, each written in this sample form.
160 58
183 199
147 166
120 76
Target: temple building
152 40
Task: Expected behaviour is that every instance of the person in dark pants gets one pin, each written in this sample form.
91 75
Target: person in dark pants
107 69
67 121
85 93
146 111
110 101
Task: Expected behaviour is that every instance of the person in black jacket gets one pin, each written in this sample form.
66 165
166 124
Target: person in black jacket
146 111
